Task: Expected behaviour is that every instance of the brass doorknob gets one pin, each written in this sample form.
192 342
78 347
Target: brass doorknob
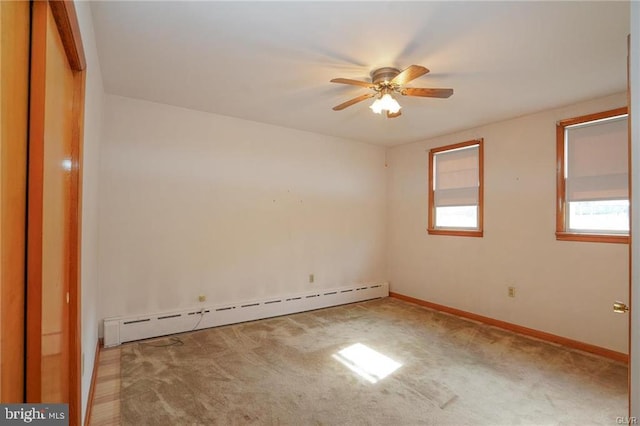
620 308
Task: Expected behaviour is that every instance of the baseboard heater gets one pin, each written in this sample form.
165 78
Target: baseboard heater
119 330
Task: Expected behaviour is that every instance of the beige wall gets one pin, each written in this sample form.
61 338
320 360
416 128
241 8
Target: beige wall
564 288
194 203
91 152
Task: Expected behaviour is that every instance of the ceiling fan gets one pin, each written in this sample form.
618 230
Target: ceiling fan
388 80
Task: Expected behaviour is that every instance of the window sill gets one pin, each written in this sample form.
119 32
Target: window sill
455 232
592 238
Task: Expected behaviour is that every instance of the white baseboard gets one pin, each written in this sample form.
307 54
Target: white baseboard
119 330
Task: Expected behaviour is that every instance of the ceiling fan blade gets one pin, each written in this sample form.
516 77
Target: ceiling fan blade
427 93
414 71
353 82
392 115
353 101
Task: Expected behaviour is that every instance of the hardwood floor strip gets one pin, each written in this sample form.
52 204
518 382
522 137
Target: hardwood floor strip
104 415
106 376
106 398
107 389
92 388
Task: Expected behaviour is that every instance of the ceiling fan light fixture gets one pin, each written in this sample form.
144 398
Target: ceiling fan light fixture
385 103
376 106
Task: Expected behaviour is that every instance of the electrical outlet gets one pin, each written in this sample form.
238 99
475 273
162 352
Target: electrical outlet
512 291
311 278
202 298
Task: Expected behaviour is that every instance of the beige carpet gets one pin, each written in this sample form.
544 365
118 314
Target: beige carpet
291 371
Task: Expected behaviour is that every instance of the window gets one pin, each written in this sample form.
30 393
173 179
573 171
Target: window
455 189
593 178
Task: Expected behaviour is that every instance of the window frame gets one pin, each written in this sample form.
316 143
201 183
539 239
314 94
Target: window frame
562 234
456 231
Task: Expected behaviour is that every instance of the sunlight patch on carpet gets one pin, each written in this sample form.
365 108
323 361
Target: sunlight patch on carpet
366 362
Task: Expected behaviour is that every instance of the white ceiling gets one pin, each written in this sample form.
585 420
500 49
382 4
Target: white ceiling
272 61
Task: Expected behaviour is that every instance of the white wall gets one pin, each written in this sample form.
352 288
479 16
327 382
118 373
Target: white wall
564 288
195 203
92 129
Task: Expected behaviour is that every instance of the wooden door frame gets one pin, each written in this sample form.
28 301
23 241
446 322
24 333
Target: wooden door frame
630 183
66 20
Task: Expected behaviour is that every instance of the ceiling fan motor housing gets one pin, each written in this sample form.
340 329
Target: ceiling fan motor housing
384 74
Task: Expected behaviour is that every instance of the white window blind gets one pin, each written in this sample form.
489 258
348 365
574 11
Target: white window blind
457 177
596 161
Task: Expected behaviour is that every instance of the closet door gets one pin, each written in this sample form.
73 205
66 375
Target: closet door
55 123
14 108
